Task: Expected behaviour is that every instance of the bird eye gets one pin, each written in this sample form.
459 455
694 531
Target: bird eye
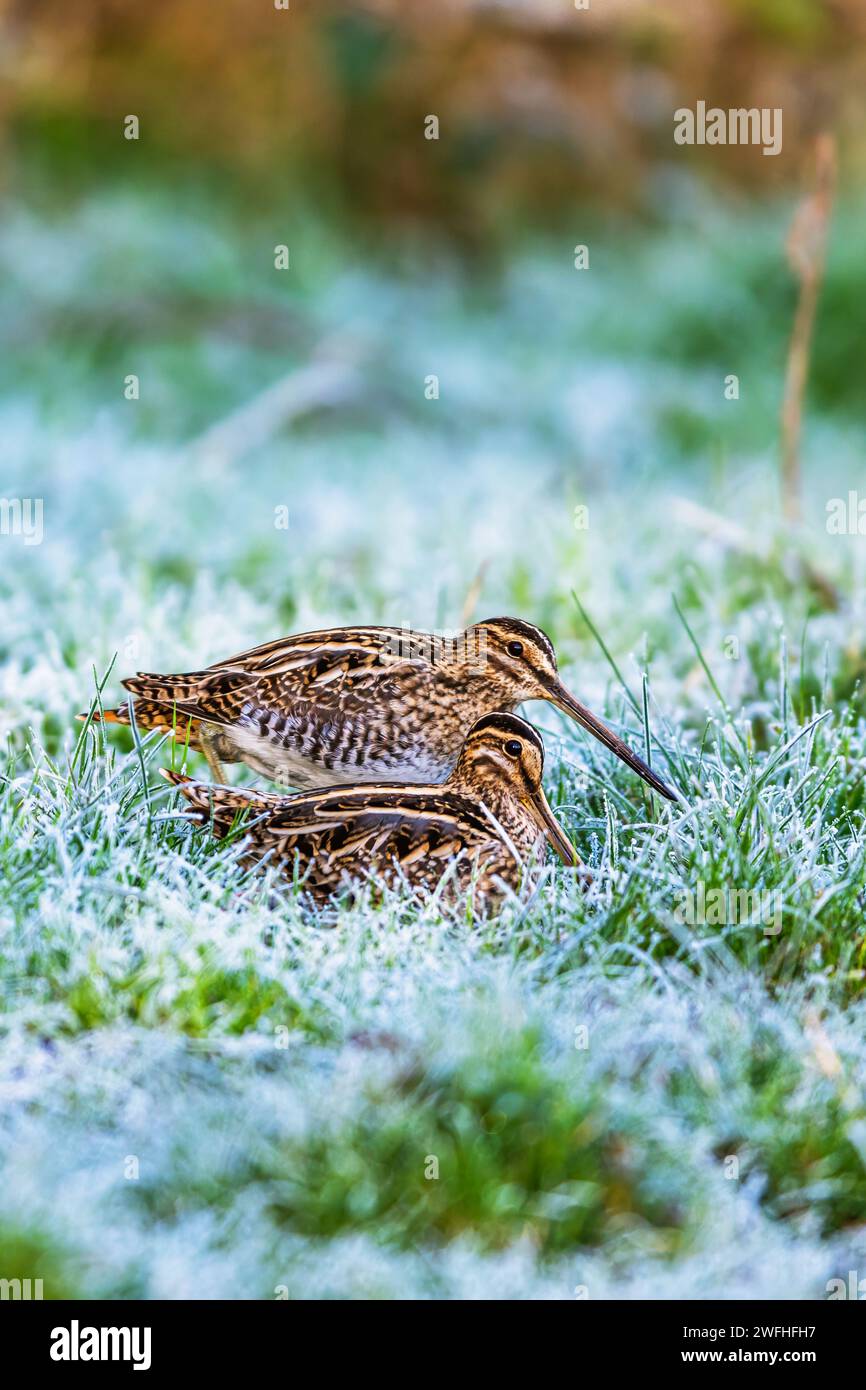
515 648
513 748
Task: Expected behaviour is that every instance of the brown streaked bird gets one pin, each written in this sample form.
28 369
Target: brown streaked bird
490 815
361 704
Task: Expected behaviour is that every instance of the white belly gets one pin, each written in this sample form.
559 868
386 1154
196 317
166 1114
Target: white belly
291 768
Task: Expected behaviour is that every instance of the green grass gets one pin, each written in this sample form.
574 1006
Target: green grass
209 1092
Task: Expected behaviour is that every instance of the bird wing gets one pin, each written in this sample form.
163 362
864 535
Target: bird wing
335 827
312 674
331 830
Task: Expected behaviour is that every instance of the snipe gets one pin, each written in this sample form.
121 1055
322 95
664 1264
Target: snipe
361 704
484 822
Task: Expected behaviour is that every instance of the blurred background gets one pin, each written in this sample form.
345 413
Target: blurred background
400 424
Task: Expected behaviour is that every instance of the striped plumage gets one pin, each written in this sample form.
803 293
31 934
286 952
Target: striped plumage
486 821
360 704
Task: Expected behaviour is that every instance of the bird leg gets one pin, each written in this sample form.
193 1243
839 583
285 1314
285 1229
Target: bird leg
209 741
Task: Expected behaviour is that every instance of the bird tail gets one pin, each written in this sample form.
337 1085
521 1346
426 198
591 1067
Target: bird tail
214 696
151 716
220 806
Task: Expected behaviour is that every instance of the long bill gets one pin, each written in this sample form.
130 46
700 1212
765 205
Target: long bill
539 808
564 700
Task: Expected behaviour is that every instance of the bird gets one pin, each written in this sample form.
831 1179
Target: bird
360 704
488 819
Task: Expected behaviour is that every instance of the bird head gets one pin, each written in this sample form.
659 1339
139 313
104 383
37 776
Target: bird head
521 660
503 752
